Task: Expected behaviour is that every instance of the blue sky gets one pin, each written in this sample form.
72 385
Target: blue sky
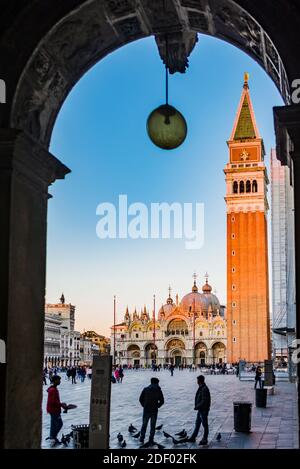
101 135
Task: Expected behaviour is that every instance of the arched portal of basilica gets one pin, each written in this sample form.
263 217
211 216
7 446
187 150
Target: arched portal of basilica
192 331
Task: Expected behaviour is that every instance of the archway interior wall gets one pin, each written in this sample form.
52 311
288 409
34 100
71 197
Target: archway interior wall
89 33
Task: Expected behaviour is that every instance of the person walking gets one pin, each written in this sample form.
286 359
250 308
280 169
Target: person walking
151 399
172 369
258 374
117 375
202 405
121 374
83 374
54 409
73 375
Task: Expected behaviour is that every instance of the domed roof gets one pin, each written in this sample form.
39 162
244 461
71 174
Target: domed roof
190 301
206 287
200 302
166 310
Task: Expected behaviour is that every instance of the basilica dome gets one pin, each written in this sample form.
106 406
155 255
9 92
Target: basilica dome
202 303
167 309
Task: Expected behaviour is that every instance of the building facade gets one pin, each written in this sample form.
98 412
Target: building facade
66 311
52 348
86 356
101 342
70 348
248 316
283 260
59 330
186 332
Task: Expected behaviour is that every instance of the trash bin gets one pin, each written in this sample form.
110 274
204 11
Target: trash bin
242 416
80 436
261 397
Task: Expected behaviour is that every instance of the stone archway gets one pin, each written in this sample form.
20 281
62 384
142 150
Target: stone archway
150 354
177 326
62 43
175 352
84 35
201 354
218 353
133 355
177 357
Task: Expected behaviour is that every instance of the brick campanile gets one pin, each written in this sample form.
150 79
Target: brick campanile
248 319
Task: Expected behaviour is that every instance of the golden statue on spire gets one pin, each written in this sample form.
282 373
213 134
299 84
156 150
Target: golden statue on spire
246 79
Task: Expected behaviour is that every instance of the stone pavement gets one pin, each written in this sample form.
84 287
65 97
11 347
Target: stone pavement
275 426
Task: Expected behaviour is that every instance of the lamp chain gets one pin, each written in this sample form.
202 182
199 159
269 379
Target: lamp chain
167 70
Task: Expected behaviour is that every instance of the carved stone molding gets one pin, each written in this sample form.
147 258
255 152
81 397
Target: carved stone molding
32 162
180 45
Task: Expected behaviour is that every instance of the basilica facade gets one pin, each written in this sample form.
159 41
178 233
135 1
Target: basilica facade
190 331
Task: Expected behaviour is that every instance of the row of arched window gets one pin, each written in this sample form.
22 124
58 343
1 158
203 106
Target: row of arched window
243 187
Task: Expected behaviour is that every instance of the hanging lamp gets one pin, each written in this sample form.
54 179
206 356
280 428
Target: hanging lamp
166 126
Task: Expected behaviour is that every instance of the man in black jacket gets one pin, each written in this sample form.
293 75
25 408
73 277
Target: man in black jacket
202 405
151 399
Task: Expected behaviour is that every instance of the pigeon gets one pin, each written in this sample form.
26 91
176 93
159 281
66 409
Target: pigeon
123 445
159 427
218 438
120 437
181 434
184 439
131 428
137 435
65 440
175 442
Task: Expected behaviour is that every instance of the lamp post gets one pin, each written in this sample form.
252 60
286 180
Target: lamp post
154 331
194 327
114 357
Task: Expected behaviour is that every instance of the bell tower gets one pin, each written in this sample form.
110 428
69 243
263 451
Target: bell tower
248 318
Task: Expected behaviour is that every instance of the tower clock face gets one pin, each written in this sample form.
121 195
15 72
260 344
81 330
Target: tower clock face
244 154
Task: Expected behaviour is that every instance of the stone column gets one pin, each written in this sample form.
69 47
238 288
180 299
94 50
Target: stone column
26 171
287 127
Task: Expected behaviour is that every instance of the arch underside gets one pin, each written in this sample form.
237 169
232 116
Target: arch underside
90 32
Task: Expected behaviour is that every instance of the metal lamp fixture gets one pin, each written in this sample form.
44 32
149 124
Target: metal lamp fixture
166 126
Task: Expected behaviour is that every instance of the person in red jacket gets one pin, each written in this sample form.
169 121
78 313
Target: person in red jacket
54 409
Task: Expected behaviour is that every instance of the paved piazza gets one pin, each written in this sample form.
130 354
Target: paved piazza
275 426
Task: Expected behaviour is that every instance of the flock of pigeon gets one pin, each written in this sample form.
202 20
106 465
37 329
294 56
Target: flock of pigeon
136 434
182 437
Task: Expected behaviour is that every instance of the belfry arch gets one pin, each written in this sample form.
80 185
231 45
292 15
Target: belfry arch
62 44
